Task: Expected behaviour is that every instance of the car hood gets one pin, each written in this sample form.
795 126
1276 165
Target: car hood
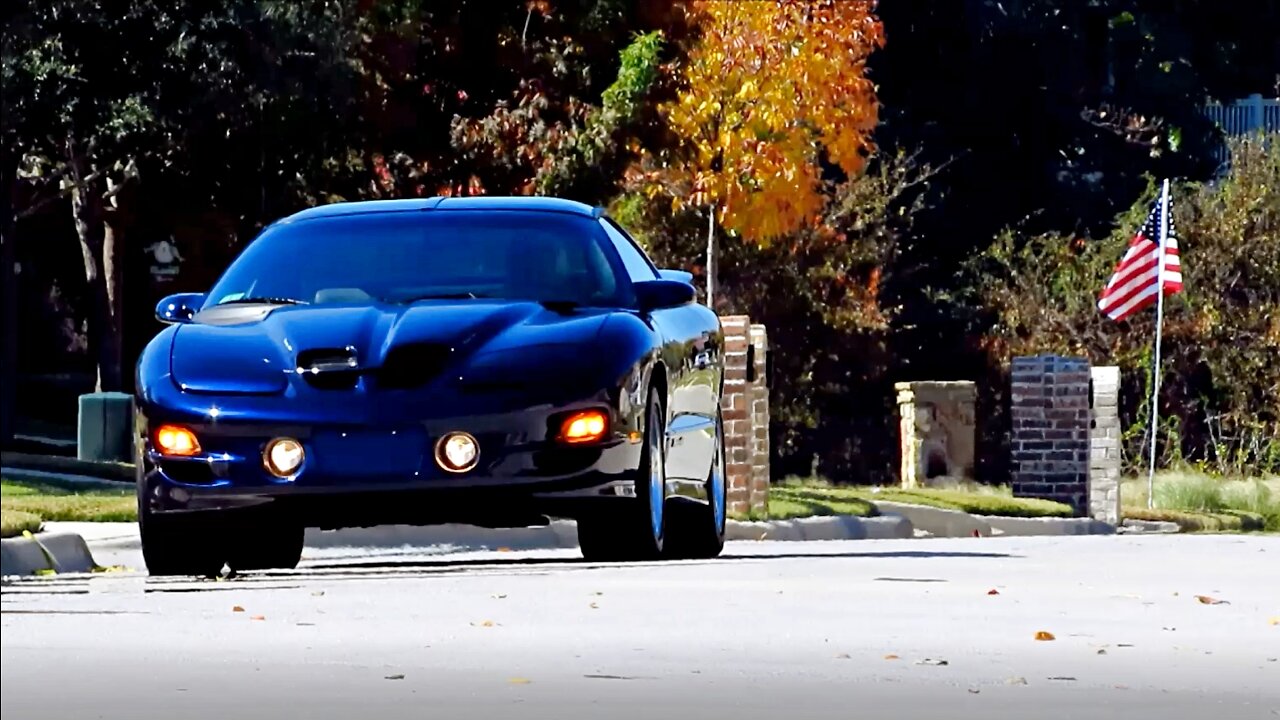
264 349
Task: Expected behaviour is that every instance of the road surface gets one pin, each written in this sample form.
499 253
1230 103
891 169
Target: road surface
865 629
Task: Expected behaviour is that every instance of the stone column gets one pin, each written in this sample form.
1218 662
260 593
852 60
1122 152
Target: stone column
936 431
738 431
1104 446
758 497
1050 434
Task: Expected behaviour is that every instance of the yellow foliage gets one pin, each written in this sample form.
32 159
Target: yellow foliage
769 85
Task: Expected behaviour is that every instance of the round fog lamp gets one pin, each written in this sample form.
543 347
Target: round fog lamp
283 456
457 452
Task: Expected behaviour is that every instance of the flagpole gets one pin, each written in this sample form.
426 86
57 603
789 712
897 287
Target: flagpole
1155 368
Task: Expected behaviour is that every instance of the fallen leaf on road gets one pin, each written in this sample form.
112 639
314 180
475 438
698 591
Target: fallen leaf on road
595 606
1170 629
486 623
931 661
1015 681
974 691
597 594
317 593
993 591
891 656
1207 600
844 656
504 549
1274 621
1102 652
519 681
258 617
397 676
45 572
499 597
236 608
1045 635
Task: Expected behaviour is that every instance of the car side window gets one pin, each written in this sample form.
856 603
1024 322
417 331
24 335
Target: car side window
638 266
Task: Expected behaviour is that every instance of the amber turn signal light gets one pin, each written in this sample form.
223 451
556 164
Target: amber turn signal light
584 427
175 440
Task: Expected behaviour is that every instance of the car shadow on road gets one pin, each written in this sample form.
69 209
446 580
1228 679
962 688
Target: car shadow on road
455 564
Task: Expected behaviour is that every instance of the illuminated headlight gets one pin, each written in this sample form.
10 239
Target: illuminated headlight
283 457
457 452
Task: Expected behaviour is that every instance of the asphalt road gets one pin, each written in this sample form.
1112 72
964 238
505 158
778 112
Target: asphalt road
861 629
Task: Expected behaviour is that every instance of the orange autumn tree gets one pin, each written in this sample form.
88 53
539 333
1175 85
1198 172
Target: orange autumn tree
770 87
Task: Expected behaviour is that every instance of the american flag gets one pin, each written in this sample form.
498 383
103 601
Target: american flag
1133 286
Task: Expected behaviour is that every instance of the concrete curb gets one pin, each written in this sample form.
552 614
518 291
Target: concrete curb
60 552
835 527
939 522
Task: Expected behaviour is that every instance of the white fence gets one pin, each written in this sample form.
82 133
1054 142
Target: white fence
1250 115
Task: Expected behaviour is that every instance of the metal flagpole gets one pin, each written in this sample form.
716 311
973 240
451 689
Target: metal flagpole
1155 369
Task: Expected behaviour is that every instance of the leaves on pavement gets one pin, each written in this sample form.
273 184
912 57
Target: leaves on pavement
1045 635
1209 600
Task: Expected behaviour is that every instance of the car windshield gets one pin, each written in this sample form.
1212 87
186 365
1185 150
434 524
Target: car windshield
410 256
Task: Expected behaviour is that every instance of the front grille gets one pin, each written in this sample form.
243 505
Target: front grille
414 365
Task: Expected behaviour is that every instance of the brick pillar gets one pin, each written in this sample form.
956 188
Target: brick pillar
937 429
1104 446
1050 437
758 498
734 405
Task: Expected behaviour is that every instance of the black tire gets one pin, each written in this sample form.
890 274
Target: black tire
267 544
630 532
696 530
180 544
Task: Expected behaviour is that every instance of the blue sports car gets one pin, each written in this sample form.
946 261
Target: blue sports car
492 361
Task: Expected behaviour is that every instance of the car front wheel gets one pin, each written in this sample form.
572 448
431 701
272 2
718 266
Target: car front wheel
638 529
180 545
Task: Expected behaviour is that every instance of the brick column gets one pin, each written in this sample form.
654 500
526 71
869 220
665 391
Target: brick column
759 495
1050 437
937 430
734 405
1104 446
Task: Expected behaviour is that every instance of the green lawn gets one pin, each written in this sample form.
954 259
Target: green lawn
801 498
52 500
1201 502
14 522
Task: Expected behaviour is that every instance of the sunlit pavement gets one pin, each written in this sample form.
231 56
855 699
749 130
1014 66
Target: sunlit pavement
905 628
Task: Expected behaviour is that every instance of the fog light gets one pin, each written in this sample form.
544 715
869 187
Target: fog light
457 452
283 457
175 440
584 427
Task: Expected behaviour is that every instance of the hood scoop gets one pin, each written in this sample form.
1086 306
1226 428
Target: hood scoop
413 365
330 368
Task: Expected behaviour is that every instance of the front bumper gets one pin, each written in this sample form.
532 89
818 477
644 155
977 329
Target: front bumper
359 475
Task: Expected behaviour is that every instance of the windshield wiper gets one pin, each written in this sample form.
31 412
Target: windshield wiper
264 301
445 296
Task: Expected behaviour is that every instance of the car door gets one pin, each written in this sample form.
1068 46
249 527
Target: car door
690 348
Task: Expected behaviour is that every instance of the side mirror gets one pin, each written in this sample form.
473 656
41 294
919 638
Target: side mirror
658 294
179 308
677 275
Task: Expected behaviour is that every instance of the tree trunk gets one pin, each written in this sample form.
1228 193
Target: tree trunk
711 255
113 262
87 211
